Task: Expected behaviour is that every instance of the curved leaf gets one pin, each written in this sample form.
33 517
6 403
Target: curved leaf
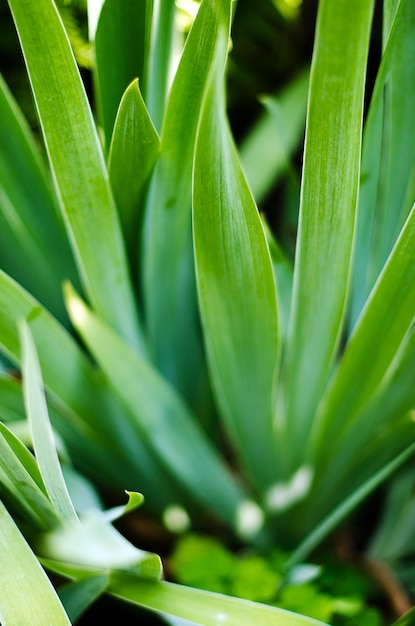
237 293
78 165
27 596
161 418
133 154
327 210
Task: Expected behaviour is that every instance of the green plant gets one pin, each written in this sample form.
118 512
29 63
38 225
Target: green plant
191 316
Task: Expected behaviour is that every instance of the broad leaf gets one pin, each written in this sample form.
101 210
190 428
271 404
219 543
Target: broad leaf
236 286
168 268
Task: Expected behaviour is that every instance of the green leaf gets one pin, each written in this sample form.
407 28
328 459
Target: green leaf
27 597
236 287
76 597
21 482
398 157
122 42
332 520
78 166
29 218
283 272
327 210
267 149
406 620
23 455
385 193
162 420
133 154
11 401
98 436
201 607
168 266
43 438
388 315
159 59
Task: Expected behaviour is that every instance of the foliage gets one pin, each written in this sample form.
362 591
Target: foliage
189 356
309 589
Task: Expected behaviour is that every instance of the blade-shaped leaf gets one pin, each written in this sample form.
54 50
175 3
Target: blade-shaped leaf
43 439
158 63
373 345
236 287
19 481
133 154
11 401
169 282
348 505
29 220
99 437
327 211
201 607
397 168
27 596
78 165
160 416
267 149
407 619
122 42
385 195
76 597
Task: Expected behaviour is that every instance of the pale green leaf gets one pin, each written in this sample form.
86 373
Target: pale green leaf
236 287
327 211
99 547
201 607
133 154
42 434
27 597
78 166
